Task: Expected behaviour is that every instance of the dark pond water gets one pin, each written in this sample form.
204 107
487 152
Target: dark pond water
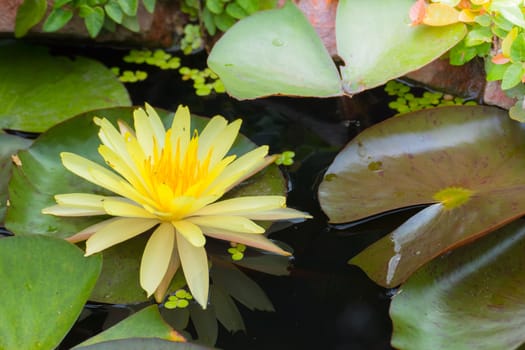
324 303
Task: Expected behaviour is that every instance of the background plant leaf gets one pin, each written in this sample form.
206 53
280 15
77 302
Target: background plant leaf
147 323
406 160
472 298
377 43
9 145
29 192
31 79
45 283
29 13
274 52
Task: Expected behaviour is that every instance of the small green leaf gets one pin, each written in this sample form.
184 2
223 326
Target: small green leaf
461 54
209 22
517 112
28 15
224 21
495 71
57 19
517 49
510 11
114 11
94 20
234 10
512 76
149 5
478 36
249 6
61 3
215 6
129 7
131 23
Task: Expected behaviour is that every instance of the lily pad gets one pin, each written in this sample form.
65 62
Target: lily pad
30 191
39 90
143 343
377 43
9 146
45 283
274 52
466 160
473 298
147 323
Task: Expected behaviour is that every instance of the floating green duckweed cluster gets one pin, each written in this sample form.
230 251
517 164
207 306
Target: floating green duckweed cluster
237 251
129 76
406 101
285 158
179 300
192 39
204 81
158 58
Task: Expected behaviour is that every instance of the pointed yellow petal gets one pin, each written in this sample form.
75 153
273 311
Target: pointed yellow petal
278 214
174 265
60 210
148 129
240 169
242 205
257 241
122 165
90 231
156 258
191 232
83 200
195 266
110 136
180 129
219 137
117 231
123 207
230 223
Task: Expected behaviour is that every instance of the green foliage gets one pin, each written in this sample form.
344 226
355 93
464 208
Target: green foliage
192 39
237 251
406 101
158 58
285 158
204 81
129 76
97 14
179 299
222 14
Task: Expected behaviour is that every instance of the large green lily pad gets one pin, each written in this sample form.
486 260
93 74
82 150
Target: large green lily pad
30 191
473 298
274 52
45 283
144 343
377 43
38 90
9 146
468 161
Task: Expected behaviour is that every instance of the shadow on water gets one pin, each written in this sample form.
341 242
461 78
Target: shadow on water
325 303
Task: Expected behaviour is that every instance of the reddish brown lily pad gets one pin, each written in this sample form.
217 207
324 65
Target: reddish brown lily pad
409 159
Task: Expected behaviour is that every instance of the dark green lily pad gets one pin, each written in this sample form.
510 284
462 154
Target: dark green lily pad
407 160
274 52
30 191
147 323
45 283
9 146
40 90
144 343
377 43
472 298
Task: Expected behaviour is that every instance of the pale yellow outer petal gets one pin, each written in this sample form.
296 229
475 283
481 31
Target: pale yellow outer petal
90 231
123 207
156 257
230 223
180 129
191 232
60 210
256 241
122 165
117 231
111 137
148 130
242 205
278 214
174 265
156 123
218 136
195 266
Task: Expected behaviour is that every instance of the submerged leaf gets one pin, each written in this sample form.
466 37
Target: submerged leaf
468 159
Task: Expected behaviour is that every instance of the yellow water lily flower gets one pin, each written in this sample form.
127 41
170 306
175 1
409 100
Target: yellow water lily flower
171 181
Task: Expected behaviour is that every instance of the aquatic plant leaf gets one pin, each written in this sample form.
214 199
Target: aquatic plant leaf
9 146
472 298
410 159
41 90
377 43
225 310
274 52
147 323
143 343
30 191
45 283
